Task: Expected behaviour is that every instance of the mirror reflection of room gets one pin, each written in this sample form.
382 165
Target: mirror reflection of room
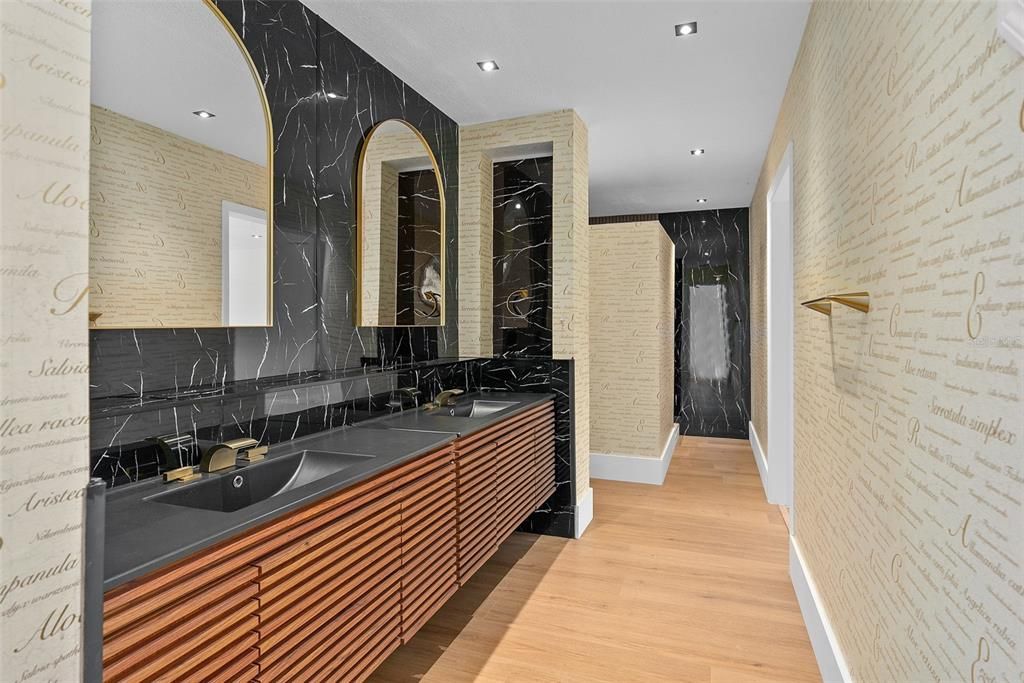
402 212
179 183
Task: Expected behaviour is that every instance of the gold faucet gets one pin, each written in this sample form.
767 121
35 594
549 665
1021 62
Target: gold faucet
222 456
445 398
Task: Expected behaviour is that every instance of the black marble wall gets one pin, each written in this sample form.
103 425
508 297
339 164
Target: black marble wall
522 244
271 409
316 147
712 359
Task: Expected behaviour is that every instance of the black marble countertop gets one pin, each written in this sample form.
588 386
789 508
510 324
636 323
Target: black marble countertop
142 535
105 406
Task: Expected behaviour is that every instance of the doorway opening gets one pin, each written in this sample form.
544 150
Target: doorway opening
780 338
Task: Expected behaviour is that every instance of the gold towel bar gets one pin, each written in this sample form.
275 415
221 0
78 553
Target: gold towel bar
859 301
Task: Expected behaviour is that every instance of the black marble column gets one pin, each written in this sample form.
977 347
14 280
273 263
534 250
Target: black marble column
712 359
522 258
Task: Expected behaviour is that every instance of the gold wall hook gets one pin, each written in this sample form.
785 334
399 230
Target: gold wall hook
858 301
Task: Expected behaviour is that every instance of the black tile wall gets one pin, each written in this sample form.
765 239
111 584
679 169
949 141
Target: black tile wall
522 258
316 147
712 359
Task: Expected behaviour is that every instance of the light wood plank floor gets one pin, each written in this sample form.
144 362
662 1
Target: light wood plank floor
683 582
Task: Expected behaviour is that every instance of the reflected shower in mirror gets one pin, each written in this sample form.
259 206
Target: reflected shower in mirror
401 230
181 195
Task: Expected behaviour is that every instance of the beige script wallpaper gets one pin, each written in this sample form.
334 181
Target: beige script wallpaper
44 347
570 219
155 249
907 123
632 311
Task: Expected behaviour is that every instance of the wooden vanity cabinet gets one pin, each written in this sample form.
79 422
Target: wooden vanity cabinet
504 473
328 592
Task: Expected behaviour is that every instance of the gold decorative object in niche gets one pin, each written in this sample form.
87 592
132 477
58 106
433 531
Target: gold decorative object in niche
401 233
181 158
858 301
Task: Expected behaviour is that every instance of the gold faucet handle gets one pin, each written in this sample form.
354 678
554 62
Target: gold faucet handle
180 474
242 442
256 454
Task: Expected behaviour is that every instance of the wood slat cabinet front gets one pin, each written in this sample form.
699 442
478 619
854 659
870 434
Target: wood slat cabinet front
503 473
328 592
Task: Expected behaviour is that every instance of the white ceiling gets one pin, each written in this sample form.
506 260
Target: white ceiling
647 96
158 61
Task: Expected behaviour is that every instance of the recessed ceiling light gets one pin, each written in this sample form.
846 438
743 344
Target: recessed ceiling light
702 200
518 205
203 114
697 152
255 236
488 65
687 29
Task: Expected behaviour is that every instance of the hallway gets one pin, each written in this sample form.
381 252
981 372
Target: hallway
683 582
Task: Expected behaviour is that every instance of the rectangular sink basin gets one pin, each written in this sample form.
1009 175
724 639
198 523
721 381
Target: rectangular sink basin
478 408
245 486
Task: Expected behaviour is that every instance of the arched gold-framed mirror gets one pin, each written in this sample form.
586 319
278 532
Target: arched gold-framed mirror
181 171
400 229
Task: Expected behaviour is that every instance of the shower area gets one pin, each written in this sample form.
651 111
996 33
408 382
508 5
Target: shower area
712 339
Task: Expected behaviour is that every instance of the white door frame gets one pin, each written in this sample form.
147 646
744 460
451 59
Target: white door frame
780 339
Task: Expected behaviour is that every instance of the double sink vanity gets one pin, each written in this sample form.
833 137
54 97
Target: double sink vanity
313 559
318 561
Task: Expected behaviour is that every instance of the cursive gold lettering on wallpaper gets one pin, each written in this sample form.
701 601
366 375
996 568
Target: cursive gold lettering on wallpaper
632 318
909 183
44 348
156 242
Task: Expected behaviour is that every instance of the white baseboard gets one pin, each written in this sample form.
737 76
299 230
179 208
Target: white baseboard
762 462
635 468
584 512
831 662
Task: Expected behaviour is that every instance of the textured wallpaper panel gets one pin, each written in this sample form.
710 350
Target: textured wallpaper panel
632 310
156 247
906 122
44 354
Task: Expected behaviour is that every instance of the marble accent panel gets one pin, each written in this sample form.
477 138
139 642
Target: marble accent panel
632 334
44 232
272 410
522 258
366 93
712 364
907 126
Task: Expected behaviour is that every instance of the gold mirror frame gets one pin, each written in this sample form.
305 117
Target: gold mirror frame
359 226
94 316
